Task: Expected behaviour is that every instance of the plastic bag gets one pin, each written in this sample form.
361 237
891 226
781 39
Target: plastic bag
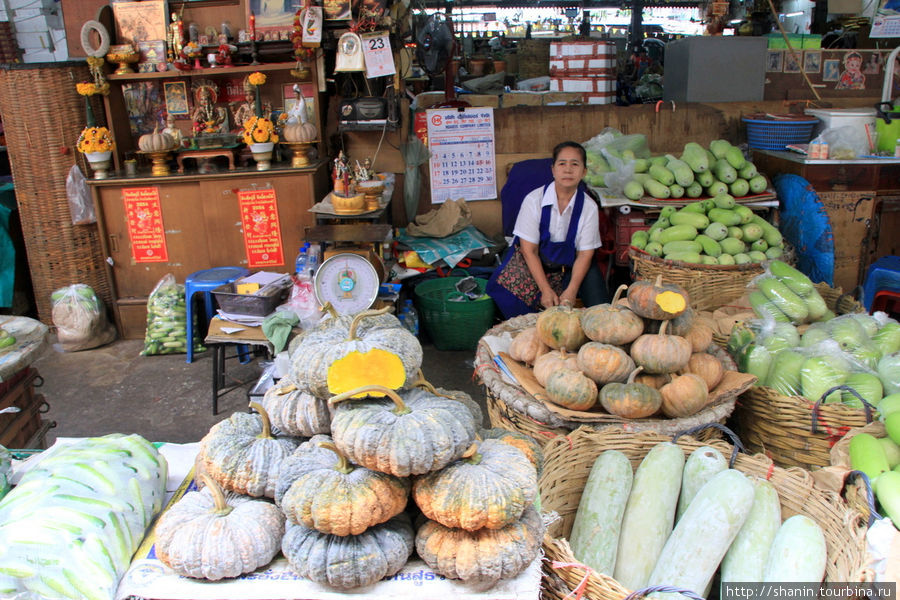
611 157
81 206
303 302
80 318
844 142
5 471
167 320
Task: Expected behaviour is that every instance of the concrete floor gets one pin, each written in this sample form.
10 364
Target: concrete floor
114 389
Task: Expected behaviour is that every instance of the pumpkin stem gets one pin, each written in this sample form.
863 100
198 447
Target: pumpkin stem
220 507
662 328
351 335
329 308
401 408
266 424
286 389
421 382
343 465
618 294
634 374
472 455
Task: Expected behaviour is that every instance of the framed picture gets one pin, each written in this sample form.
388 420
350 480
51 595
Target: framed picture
792 62
145 105
176 98
272 15
831 69
774 61
152 52
812 61
337 10
308 89
140 21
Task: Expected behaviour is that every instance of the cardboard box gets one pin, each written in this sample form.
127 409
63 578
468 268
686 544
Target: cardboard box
582 67
521 99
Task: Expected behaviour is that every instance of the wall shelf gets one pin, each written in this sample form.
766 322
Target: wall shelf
218 71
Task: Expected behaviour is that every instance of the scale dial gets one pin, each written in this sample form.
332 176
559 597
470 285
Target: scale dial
348 281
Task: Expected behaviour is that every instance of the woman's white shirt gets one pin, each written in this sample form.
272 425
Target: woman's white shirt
587 236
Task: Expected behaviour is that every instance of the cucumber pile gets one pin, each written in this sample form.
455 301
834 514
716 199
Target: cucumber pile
699 171
714 231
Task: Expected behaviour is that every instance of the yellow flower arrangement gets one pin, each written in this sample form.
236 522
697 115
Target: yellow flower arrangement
86 89
95 139
256 78
258 130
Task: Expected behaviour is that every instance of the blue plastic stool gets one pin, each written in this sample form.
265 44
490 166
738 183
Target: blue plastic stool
206 281
883 274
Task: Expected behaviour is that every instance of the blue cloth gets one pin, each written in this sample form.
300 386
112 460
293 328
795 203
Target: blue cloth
524 177
560 253
7 259
805 224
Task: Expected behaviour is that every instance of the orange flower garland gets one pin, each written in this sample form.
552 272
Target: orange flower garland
95 139
258 130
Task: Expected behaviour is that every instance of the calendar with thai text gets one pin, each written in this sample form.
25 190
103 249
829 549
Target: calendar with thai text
462 163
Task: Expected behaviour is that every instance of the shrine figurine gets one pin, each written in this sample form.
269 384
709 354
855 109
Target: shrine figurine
176 37
207 117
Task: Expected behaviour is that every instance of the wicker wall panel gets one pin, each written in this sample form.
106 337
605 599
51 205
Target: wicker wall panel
42 116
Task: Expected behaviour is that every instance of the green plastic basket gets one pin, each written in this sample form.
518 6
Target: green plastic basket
453 325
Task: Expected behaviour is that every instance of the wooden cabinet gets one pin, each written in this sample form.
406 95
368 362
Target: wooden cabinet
202 223
854 193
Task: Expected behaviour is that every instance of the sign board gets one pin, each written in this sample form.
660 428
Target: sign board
461 142
262 229
145 225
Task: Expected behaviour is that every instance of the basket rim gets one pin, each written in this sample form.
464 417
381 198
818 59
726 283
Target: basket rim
638 254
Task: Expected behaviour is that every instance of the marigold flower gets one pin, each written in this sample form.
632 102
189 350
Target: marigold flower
256 78
86 88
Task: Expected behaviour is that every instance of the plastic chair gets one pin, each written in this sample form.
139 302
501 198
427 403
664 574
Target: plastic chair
205 282
883 275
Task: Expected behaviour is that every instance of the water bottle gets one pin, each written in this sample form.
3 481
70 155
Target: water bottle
312 259
410 317
300 264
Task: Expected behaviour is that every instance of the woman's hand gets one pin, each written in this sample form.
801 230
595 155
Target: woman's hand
549 298
568 296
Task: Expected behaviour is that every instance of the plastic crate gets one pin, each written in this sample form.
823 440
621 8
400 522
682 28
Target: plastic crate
256 305
775 134
626 225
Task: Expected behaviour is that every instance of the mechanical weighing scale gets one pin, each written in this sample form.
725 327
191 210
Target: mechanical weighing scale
348 281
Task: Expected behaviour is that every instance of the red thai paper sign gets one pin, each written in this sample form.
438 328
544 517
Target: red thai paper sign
262 230
145 225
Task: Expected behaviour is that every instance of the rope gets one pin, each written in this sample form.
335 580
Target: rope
579 589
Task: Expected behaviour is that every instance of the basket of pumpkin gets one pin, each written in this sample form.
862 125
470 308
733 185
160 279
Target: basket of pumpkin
642 362
681 513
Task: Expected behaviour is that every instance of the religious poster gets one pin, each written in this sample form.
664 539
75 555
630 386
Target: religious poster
140 21
262 228
145 225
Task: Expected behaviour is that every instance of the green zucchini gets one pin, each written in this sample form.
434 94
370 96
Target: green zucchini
790 303
682 246
725 216
798 282
798 552
640 238
694 219
888 493
867 455
771 234
746 558
649 514
598 521
700 467
677 233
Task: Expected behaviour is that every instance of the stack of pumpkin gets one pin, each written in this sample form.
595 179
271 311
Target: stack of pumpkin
637 356
356 431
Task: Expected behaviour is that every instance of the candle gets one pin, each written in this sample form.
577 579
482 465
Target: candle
252 27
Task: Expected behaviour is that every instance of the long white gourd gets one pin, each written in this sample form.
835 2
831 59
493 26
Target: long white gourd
746 559
693 552
649 514
700 467
798 552
598 521
70 527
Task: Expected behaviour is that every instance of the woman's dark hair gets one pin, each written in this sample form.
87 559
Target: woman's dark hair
570 144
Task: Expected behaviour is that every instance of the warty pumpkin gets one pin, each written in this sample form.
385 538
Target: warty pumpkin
484 556
527 444
612 323
156 141
661 353
350 561
489 487
294 411
657 300
681 324
334 327
684 396
210 535
390 357
604 363
527 346
630 400
708 367
241 454
319 488
553 360
411 432
458 395
571 389
301 132
560 327
654 381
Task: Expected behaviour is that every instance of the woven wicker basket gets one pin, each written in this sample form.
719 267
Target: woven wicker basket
858 489
512 408
567 465
709 286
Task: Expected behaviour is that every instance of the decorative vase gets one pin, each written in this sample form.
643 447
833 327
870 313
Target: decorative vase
262 154
300 151
99 162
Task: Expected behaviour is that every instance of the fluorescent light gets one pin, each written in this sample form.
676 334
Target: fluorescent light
735 21
793 14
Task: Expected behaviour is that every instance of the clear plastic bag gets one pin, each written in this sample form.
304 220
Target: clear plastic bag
80 318
611 157
5 471
303 302
167 320
81 206
844 143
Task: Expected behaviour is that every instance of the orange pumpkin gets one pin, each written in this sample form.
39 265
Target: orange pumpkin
661 353
684 396
630 400
657 300
604 363
612 323
654 381
700 335
571 389
681 324
707 367
553 360
560 327
527 346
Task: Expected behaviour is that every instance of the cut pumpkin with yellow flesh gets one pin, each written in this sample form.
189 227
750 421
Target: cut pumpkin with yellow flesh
357 369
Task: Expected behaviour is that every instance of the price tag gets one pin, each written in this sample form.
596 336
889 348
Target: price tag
377 51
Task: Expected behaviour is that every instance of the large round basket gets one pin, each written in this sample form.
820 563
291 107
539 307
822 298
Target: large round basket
510 407
568 462
708 286
858 491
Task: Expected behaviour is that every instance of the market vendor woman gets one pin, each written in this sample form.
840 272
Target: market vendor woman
551 259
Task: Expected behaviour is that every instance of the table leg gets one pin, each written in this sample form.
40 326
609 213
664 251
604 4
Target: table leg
180 160
218 374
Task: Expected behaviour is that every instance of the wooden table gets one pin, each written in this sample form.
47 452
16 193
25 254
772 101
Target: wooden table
205 154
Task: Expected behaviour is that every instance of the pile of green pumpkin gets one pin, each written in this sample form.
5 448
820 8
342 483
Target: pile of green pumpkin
637 357
340 445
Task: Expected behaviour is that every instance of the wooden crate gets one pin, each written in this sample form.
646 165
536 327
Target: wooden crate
20 428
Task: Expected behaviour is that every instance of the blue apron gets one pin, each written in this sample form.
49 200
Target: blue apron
555 256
